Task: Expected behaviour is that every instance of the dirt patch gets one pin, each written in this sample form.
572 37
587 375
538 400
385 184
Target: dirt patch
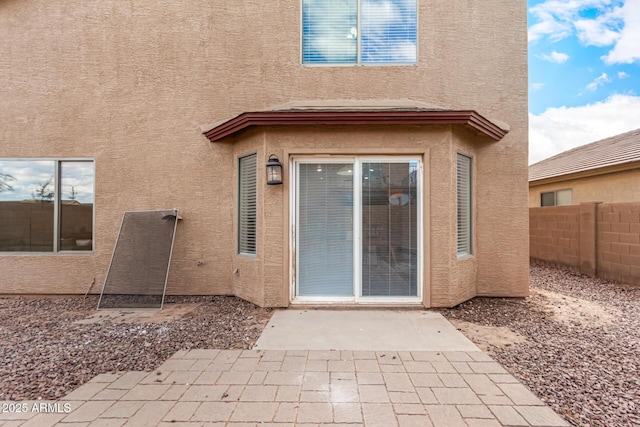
488 337
169 313
575 310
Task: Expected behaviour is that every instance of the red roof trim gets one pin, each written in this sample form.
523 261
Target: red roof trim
399 117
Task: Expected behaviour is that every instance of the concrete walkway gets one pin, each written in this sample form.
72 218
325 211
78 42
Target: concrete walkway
306 387
411 330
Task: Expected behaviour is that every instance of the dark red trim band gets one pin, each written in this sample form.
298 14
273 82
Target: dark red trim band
332 117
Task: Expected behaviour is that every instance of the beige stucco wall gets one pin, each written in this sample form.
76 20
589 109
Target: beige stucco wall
129 85
615 187
447 279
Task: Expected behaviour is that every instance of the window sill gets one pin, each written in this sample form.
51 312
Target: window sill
247 256
325 65
60 253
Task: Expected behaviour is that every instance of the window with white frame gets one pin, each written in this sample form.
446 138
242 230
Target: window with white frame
46 205
557 198
247 204
464 205
364 32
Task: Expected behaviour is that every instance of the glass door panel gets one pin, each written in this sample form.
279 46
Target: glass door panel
324 250
389 229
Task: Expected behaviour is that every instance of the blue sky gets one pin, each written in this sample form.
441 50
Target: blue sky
584 72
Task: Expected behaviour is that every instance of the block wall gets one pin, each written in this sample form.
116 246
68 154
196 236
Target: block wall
596 239
554 235
619 242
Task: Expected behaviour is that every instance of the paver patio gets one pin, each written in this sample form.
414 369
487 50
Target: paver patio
251 388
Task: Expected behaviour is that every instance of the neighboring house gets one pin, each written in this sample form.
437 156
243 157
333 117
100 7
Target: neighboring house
604 171
401 126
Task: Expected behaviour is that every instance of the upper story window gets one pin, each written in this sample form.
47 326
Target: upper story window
46 205
364 32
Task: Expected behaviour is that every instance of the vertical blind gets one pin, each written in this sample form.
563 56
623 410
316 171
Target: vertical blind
247 209
359 31
325 229
464 204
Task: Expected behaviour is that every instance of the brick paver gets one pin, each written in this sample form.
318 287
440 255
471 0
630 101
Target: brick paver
235 388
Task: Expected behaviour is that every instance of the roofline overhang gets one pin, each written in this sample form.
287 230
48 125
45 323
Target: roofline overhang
622 167
467 118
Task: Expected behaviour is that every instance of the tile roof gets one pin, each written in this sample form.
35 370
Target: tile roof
616 150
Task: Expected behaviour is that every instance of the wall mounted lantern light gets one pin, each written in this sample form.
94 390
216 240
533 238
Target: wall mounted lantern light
274 170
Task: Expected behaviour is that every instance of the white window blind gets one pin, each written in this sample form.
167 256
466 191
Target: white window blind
247 208
464 194
329 31
325 229
359 31
564 197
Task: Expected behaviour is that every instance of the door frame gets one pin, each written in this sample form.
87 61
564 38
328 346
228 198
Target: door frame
357 160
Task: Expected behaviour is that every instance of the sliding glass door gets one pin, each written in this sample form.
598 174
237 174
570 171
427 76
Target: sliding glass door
389 218
325 229
357 229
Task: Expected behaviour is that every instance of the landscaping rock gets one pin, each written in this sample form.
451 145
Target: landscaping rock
50 346
581 347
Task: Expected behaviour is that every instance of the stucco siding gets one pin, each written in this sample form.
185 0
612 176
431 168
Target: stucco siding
616 187
130 85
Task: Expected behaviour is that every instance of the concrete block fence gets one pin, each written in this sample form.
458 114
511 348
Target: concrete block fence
595 239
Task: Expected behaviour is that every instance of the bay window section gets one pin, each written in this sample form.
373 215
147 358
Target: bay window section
46 205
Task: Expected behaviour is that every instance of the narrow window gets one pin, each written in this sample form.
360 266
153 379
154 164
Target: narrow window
464 205
247 209
359 31
46 205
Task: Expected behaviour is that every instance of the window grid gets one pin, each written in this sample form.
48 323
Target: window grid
247 204
464 205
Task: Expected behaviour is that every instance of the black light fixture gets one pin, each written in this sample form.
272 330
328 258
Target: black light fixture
274 170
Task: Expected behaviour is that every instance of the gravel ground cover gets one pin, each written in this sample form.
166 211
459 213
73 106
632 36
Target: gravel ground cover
45 353
575 342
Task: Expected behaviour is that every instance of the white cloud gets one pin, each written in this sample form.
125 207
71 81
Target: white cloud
622 75
599 81
617 24
536 86
555 17
602 31
556 57
560 129
627 48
